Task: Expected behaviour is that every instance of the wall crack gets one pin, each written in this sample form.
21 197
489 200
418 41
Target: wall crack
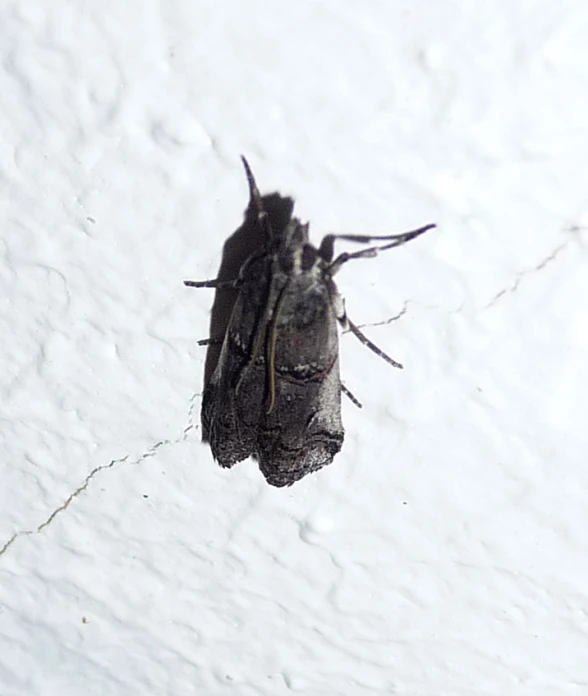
149 452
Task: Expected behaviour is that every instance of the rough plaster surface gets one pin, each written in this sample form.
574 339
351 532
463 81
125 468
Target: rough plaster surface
445 552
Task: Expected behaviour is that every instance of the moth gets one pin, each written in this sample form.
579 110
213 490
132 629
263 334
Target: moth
275 393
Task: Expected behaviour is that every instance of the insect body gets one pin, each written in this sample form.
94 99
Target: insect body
275 393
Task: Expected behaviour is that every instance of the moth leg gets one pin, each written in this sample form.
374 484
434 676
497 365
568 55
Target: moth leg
346 323
326 250
351 396
216 284
372 346
210 342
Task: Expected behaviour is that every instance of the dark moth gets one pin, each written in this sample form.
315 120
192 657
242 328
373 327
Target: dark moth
275 393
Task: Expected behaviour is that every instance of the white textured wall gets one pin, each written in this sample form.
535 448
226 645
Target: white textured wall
445 552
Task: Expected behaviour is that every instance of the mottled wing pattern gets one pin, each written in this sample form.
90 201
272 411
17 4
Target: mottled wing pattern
303 431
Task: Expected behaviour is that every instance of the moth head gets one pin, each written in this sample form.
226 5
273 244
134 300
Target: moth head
291 246
295 234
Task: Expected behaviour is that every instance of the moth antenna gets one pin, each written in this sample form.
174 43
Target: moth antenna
271 358
254 353
271 367
259 335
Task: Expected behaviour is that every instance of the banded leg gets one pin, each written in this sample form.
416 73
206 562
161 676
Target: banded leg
216 284
372 346
346 323
326 250
351 396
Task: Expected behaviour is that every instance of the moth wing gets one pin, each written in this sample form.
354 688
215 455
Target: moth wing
232 399
302 432
311 431
231 439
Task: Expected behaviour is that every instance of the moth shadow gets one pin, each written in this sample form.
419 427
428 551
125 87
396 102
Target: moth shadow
245 241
